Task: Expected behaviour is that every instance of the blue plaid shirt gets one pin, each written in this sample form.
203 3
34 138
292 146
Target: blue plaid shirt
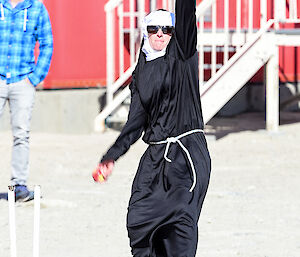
20 28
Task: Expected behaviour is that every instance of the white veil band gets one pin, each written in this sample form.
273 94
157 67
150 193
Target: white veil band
162 18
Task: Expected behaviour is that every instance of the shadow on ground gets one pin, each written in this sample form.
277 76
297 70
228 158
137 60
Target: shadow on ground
220 127
3 196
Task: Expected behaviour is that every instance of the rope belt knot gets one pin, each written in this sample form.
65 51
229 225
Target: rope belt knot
174 140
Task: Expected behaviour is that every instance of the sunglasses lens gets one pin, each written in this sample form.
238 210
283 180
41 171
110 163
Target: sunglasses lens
167 29
152 29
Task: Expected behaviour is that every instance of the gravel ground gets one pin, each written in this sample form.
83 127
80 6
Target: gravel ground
252 206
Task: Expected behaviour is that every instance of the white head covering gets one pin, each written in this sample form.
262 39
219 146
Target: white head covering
162 18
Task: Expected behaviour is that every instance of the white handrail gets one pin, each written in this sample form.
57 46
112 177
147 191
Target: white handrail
111 5
235 57
121 80
226 39
119 99
203 7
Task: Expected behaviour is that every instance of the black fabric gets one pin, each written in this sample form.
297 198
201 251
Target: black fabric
162 214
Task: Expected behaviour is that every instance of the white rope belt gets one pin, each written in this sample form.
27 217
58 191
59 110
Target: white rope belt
170 140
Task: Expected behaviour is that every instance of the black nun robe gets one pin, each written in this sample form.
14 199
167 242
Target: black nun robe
164 210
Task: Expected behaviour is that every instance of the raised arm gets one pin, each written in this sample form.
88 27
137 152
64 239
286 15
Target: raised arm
186 27
133 129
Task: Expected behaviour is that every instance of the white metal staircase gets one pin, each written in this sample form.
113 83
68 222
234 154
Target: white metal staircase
232 76
245 49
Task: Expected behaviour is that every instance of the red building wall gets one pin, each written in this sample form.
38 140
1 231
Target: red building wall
79 43
79 29
289 57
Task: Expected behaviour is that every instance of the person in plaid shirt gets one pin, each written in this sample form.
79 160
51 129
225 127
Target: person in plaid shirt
22 24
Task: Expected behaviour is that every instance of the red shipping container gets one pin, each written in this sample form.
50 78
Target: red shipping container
79 58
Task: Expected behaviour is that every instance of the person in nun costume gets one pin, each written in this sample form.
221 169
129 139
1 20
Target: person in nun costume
173 174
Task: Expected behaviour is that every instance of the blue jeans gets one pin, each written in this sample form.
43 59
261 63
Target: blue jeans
20 96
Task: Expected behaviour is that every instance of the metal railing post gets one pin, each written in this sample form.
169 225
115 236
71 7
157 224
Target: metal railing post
293 10
152 5
250 17
280 10
171 5
201 53
110 55
214 47
238 20
272 92
226 31
132 31
164 4
121 38
263 12
141 11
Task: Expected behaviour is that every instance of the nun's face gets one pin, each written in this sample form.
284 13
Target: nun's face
159 40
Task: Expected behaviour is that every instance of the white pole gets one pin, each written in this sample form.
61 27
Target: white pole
238 21
12 220
121 39
141 12
214 47
36 220
238 16
272 93
171 5
164 4
293 10
152 5
201 52
263 13
110 56
132 31
250 18
280 10
226 30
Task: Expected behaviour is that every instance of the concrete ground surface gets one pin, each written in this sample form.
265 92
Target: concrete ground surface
252 208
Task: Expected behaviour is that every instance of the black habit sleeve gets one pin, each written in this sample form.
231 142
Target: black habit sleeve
133 129
186 27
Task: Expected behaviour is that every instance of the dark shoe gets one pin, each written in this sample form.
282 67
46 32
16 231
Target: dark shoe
22 194
3 196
